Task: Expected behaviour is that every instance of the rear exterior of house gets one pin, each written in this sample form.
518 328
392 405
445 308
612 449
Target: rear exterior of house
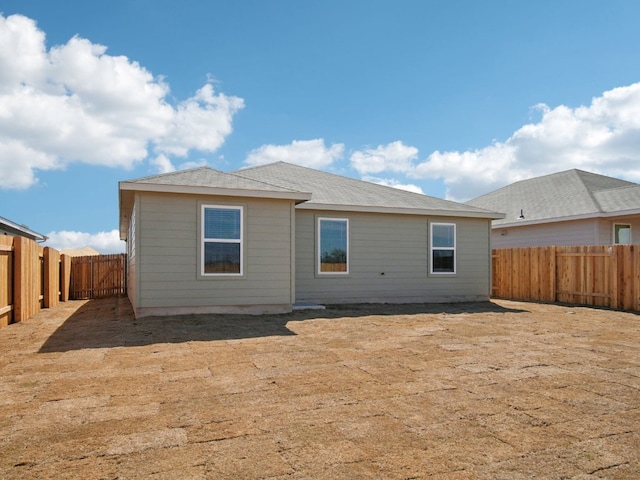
259 240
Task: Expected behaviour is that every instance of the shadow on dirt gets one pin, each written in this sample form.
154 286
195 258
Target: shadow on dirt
107 323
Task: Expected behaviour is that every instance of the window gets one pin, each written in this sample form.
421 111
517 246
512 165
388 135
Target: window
443 248
333 245
622 234
222 240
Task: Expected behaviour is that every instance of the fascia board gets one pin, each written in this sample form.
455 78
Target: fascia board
586 216
399 211
228 192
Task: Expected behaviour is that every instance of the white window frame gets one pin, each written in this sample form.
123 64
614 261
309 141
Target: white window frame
131 235
615 225
454 249
319 247
204 240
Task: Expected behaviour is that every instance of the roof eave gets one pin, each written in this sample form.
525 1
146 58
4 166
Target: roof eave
400 211
202 190
585 216
23 230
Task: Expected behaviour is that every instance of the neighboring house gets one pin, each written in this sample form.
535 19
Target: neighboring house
567 208
261 239
80 252
7 227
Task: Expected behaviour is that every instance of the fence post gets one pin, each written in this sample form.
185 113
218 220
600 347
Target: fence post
26 279
6 280
51 277
65 277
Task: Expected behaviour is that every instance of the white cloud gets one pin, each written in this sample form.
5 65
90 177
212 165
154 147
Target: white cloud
75 103
309 153
162 164
202 122
393 157
103 242
603 137
409 187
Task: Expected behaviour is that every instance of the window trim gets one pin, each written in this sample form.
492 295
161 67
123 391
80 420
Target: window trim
615 225
319 247
131 234
204 240
454 249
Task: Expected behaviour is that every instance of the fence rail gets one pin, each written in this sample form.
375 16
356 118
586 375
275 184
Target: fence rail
599 275
34 277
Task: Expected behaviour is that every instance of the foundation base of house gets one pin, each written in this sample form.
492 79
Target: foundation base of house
213 309
308 306
399 300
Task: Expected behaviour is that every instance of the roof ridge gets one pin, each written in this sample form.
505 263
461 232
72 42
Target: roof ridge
166 174
392 191
239 175
254 167
295 165
590 193
621 187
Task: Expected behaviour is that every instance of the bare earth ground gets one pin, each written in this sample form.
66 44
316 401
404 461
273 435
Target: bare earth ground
499 390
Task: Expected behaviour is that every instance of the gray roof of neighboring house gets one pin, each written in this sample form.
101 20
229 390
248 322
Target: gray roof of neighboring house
335 192
15 229
565 195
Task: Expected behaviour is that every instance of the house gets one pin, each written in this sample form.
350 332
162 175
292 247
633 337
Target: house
80 252
573 207
261 239
7 227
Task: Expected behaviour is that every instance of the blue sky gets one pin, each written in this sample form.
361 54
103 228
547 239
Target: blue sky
449 98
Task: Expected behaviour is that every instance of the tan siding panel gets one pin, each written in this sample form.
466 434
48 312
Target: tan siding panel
168 253
576 232
389 257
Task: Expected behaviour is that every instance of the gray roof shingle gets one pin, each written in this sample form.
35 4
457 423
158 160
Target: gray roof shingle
571 193
210 178
331 191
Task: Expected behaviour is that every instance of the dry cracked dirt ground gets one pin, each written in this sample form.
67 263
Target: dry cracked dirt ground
499 390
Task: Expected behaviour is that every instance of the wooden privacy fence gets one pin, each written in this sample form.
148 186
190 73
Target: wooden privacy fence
599 275
98 276
34 277
31 277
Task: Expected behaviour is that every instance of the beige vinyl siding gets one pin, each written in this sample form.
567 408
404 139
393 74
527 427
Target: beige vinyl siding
575 232
389 260
168 248
591 231
605 228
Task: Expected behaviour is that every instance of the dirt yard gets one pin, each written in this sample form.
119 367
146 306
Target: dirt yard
499 390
